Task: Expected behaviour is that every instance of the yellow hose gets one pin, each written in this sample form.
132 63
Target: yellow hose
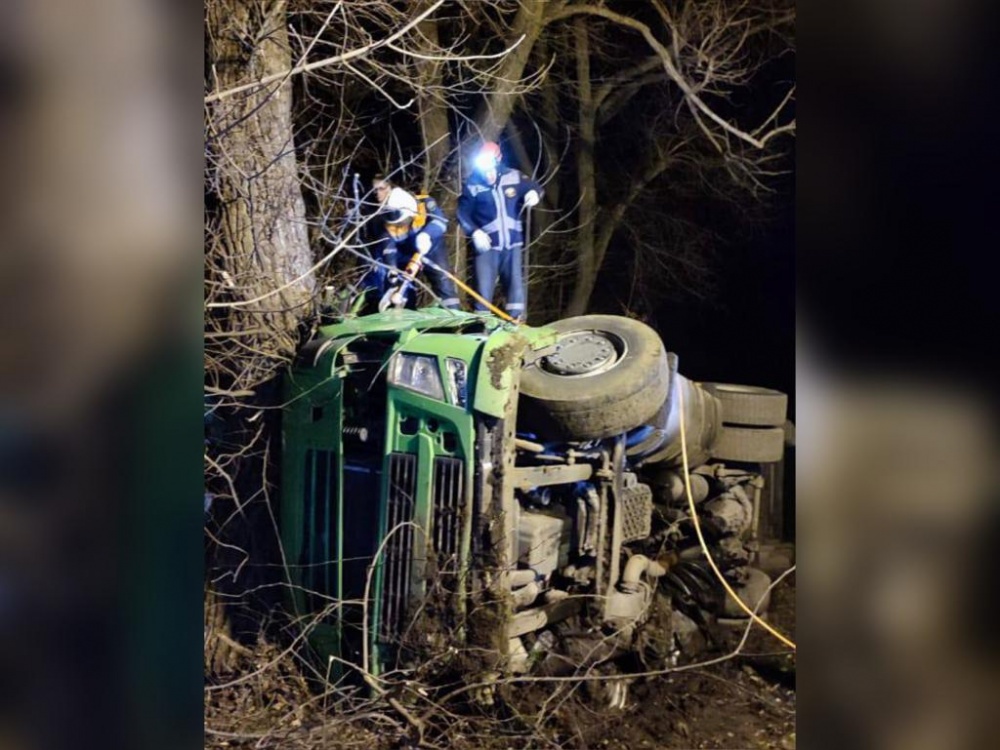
701 539
495 310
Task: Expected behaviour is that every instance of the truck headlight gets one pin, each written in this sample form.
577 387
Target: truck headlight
458 388
417 372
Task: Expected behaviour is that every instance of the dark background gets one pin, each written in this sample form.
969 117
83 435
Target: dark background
896 232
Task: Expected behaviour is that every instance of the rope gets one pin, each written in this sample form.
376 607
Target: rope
701 539
495 310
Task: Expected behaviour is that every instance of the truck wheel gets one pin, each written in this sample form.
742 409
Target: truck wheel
760 445
749 405
608 375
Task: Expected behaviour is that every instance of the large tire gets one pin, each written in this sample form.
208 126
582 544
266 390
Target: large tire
610 376
750 405
750 445
702 424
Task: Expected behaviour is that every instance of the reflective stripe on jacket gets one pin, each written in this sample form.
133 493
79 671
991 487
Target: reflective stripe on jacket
496 209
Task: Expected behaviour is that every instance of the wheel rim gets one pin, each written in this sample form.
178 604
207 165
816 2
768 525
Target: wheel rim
584 353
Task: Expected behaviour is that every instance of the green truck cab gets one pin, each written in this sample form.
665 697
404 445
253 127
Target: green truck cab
450 480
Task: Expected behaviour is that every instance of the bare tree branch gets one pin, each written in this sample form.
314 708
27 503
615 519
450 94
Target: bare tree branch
326 62
671 69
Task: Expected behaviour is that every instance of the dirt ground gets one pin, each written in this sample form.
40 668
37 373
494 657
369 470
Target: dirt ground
746 702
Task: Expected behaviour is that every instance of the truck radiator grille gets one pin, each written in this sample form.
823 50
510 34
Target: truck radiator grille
319 533
398 550
449 497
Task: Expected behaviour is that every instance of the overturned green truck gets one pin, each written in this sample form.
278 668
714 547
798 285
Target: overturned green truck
514 493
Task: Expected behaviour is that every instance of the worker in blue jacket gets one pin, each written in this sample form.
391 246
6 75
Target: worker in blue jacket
491 212
414 225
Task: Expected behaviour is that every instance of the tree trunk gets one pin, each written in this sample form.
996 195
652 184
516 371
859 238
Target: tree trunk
263 236
437 142
433 109
587 263
530 20
551 124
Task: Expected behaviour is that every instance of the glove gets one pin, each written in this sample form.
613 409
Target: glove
423 242
481 240
412 268
531 198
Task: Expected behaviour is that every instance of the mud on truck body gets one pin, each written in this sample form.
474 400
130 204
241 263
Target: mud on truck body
513 495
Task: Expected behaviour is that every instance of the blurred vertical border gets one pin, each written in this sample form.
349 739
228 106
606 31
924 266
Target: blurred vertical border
897 507
100 374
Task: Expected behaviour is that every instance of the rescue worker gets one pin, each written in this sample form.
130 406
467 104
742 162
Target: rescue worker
491 213
414 225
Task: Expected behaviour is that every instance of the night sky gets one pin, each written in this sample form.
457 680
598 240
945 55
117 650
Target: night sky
746 333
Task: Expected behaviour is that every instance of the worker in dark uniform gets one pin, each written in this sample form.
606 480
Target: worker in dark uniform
415 225
491 212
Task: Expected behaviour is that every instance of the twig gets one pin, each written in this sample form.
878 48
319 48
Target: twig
326 61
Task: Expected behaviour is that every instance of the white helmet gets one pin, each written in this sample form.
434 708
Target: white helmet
400 207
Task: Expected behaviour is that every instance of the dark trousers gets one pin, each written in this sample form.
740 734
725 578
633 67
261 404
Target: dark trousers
442 285
505 264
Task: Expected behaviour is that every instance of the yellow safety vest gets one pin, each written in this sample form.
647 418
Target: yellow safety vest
421 218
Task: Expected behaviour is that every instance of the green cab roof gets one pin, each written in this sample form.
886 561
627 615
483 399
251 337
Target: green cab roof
438 319
398 321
